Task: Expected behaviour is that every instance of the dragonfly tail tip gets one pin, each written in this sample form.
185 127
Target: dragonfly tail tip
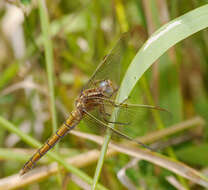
22 172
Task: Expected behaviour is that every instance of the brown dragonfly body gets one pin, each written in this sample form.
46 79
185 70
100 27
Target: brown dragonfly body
86 102
96 103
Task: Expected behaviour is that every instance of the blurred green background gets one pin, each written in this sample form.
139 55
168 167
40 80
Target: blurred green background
83 32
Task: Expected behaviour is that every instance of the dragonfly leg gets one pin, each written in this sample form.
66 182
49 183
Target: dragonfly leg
116 123
104 114
102 124
113 103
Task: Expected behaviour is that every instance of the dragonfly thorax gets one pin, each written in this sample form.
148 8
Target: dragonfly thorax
91 98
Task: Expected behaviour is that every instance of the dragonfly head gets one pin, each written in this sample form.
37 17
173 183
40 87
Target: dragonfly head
107 87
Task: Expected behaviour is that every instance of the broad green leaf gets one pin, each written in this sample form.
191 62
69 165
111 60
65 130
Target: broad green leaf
164 38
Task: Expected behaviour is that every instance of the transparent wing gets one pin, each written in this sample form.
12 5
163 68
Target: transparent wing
127 112
104 125
111 69
132 119
111 65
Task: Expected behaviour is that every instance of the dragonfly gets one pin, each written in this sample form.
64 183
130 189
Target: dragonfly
95 103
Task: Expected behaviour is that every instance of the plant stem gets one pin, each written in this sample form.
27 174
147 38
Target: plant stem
48 49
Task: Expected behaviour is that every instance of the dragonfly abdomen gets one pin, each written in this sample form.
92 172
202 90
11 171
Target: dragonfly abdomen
70 123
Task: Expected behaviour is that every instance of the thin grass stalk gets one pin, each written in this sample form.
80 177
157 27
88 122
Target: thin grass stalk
124 27
48 48
8 74
121 15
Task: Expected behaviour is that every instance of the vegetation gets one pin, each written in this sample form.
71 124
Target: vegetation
48 52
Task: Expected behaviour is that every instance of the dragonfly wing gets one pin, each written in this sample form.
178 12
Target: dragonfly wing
128 114
111 65
115 131
132 120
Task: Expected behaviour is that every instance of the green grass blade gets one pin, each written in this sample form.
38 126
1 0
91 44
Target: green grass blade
8 74
7 154
48 58
164 38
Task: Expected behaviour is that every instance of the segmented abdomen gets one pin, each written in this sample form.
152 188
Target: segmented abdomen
70 123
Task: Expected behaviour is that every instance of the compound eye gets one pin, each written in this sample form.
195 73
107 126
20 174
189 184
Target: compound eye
109 90
103 84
